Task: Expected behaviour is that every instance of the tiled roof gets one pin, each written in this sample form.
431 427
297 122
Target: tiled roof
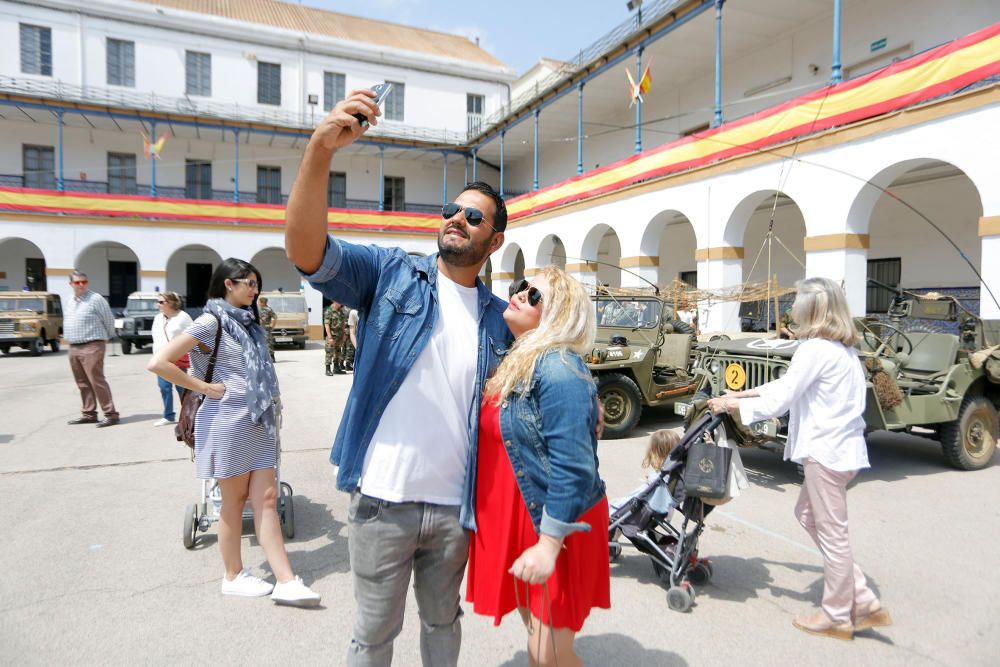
340 26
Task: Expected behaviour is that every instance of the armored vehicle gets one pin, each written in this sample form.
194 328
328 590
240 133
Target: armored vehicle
135 326
641 358
291 324
944 386
30 321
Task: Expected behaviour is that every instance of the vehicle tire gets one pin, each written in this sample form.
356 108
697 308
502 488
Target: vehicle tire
190 525
54 344
679 599
700 574
969 442
622 403
614 552
681 327
37 347
5 349
302 345
126 346
286 512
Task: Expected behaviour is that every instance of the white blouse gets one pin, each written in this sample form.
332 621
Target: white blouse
165 329
824 393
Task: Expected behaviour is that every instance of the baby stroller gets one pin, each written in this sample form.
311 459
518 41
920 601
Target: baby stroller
644 519
198 517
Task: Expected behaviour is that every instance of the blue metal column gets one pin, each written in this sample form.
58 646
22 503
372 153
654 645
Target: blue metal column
381 177
152 159
475 164
60 182
466 168
503 133
837 74
717 119
236 166
534 185
638 104
444 184
579 129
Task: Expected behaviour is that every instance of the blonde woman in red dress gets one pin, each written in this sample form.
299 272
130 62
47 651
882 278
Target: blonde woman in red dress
540 544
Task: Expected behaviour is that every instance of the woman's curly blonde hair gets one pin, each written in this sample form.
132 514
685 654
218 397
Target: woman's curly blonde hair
568 322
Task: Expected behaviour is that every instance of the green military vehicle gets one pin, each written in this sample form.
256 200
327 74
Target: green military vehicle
134 327
291 322
947 385
641 358
30 321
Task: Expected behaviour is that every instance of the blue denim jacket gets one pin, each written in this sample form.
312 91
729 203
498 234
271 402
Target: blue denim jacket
549 434
396 298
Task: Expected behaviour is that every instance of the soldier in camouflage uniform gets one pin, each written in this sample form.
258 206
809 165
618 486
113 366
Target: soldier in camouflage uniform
786 325
267 318
348 351
335 327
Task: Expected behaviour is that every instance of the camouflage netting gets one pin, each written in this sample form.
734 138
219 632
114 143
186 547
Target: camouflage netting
680 292
886 390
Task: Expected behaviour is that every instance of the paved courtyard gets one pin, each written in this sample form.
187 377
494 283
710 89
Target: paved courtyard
95 571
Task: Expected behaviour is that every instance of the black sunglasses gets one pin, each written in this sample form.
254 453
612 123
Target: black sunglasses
473 216
534 294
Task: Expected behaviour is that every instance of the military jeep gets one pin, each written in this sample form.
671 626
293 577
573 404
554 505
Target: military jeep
135 326
947 391
641 358
30 321
291 321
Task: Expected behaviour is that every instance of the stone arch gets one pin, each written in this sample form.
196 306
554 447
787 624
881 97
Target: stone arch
512 261
276 271
903 245
486 275
113 269
748 226
22 265
551 250
603 245
669 237
188 271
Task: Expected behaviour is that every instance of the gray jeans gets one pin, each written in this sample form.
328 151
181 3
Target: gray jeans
386 542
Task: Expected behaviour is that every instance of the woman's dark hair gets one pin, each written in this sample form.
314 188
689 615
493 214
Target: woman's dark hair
233 269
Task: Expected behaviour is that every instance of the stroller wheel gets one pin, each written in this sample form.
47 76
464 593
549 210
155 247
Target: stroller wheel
614 552
701 573
286 513
190 526
680 598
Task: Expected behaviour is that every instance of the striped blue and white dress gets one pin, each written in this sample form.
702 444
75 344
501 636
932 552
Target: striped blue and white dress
227 441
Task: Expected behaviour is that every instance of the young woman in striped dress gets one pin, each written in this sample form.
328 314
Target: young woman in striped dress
235 428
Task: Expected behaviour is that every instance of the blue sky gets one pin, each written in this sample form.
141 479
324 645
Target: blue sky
515 31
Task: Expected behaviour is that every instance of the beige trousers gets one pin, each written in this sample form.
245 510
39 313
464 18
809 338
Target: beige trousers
87 363
822 511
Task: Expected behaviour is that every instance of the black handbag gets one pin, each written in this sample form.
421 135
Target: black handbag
191 400
706 471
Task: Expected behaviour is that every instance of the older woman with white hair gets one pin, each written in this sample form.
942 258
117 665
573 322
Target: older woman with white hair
541 512
824 393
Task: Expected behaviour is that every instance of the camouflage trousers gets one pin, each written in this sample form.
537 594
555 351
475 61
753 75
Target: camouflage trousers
347 352
270 343
334 353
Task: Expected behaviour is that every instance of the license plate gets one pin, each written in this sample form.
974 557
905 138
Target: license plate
282 339
682 409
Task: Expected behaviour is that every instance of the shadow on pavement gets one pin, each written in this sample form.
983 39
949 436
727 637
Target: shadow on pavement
143 417
612 649
315 520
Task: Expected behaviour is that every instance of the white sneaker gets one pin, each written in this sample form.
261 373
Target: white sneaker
246 585
164 421
295 594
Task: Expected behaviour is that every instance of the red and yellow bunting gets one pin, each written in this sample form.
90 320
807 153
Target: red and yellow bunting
264 215
936 72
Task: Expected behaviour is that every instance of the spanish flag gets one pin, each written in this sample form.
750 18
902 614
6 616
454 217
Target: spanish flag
637 90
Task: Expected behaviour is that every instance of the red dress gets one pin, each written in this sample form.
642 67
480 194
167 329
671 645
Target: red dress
581 579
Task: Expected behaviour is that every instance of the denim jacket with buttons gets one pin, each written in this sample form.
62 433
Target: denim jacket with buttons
396 298
549 434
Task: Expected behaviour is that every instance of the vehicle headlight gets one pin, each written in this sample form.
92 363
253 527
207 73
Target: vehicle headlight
129 325
29 327
778 371
714 366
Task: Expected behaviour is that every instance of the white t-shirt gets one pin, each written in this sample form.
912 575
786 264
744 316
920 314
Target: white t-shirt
823 391
420 449
165 329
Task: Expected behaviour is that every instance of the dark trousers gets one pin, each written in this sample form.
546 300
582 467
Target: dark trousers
86 360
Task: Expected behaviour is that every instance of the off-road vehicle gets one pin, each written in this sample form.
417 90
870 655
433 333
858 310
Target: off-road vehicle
30 321
641 358
947 385
291 323
135 326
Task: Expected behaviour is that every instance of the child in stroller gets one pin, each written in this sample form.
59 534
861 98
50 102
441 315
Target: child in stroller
644 517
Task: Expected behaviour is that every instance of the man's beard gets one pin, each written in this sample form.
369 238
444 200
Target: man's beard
469 254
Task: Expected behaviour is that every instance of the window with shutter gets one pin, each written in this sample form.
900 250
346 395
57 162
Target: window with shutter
198 74
268 185
121 174
888 271
36 49
333 89
39 166
395 193
197 179
336 193
393 109
121 63
268 83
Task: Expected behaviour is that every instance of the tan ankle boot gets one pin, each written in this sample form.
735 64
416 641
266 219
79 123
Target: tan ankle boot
820 624
871 615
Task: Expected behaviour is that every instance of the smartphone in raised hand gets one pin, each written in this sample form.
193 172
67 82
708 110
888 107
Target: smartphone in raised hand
380 90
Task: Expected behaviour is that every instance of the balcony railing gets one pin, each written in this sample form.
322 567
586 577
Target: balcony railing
175 192
201 108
